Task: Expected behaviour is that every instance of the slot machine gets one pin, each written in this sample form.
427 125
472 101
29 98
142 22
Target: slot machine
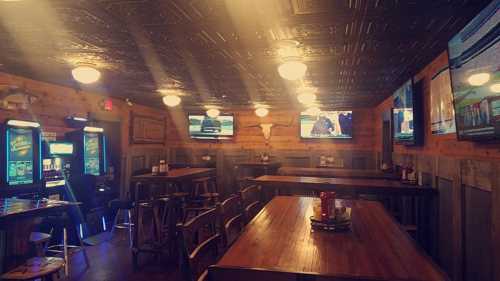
56 165
21 172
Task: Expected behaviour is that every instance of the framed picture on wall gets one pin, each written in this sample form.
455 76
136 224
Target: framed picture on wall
146 129
441 104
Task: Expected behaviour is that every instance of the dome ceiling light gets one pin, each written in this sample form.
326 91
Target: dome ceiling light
85 74
213 112
171 100
313 111
261 111
292 67
306 95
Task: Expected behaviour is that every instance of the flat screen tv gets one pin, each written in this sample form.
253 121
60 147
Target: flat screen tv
91 154
205 127
407 114
326 125
474 57
20 158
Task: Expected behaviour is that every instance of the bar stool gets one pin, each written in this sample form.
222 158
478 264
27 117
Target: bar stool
40 241
38 268
64 249
204 197
123 217
209 195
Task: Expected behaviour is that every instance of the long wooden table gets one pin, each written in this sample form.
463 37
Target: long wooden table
278 245
356 185
425 197
335 173
180 177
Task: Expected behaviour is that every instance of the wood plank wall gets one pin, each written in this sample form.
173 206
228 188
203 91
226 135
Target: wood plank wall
56 102
467 175
284 134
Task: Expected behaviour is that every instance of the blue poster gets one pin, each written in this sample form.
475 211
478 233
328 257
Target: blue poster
91 155
20 156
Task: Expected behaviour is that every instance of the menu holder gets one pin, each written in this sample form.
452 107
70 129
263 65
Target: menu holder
341 222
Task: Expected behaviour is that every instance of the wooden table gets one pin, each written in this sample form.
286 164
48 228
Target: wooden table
16 222
425 218
336 173
350 185
175 175
180 177
278 245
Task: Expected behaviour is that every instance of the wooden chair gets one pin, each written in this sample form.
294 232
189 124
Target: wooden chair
250 198
198 239
39 268
232 219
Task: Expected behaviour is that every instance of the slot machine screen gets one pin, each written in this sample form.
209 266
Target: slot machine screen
20 156
91 154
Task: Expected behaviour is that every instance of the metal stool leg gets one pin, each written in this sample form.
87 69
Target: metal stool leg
130 235
65 250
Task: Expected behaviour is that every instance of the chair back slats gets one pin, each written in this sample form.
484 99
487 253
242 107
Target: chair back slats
199 240
231 219
250 198
252 210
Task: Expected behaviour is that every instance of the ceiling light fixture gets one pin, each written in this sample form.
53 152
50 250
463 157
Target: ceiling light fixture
171 100
495 88
261 111
313 111
292 67
292 70
306 98
85 74
479 79
306 95
213 112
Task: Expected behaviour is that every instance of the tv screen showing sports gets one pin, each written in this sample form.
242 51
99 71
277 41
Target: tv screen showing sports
91 154
403 119
326 125
205 127
20 156
475 76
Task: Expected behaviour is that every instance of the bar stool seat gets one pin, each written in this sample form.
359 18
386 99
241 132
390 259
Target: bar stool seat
66 250
123 217
116 204
36 268
40 240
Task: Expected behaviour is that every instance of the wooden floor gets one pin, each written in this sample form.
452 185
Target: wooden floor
112 261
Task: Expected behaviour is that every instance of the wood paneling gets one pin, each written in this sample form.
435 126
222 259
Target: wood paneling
453 163
285 134
478 234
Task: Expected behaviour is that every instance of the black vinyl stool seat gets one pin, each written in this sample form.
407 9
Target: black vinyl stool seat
124 204
61 224
40 241
123 217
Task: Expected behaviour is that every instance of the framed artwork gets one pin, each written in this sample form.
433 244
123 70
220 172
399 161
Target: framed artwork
147 129
441 104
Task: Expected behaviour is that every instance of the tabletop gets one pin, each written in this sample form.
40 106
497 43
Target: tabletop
335 173
259 164
10 207
177 174
355 184
279 239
